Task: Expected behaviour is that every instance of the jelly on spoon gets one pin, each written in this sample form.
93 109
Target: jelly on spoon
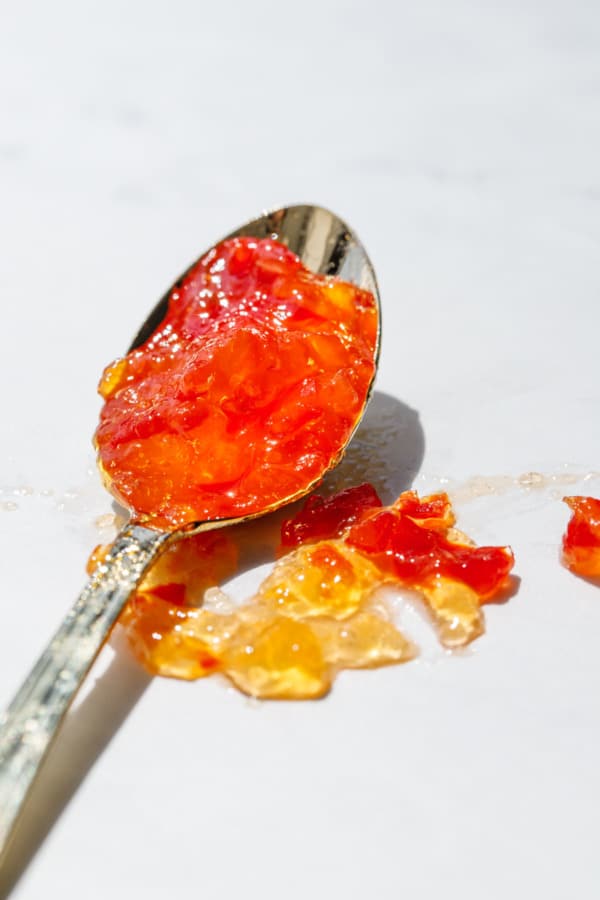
198 441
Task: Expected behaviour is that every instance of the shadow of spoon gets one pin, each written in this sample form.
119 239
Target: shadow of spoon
83 737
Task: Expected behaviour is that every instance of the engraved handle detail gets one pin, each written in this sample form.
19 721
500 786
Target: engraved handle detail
31 721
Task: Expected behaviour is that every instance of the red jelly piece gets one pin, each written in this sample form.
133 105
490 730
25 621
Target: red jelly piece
581 542
417 554
434 511
323 518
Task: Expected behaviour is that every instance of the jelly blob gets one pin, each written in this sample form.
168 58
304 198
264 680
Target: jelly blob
581 541
245 394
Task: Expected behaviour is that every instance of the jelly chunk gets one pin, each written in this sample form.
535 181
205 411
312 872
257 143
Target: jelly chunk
581 542
414 544
433 512
324 579
176 642
245 394
416 553
328 517
278 658
317 611
364 641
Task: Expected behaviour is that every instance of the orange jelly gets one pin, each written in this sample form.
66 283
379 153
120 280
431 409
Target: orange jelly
319 609
414 544
245 395
581 542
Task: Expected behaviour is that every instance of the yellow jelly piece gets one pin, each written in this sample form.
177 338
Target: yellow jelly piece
279 658
363 641
324 579
455 611
177 642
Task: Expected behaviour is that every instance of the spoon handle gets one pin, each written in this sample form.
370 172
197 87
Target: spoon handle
31 721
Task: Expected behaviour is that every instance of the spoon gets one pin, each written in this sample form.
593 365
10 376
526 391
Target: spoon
325 245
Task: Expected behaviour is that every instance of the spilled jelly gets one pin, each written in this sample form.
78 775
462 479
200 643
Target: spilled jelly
581 541
318 610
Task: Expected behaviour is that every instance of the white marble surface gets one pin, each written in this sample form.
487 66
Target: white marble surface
462 141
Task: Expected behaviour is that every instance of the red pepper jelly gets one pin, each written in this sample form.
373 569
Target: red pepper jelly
246 393
581 542
318 610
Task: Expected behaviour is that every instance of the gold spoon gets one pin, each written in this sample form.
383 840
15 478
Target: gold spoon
325 245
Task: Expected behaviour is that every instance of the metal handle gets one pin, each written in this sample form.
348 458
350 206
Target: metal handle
31 721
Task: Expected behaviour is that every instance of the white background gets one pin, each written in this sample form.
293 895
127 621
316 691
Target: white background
462 141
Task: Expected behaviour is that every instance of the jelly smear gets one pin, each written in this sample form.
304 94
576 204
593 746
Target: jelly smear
244 396
581 542
318 610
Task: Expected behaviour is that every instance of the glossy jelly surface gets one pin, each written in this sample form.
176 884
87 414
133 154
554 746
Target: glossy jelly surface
581 541
328 517
319 609
414 543
246 393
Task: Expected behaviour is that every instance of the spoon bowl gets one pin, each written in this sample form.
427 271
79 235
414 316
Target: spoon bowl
327 246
